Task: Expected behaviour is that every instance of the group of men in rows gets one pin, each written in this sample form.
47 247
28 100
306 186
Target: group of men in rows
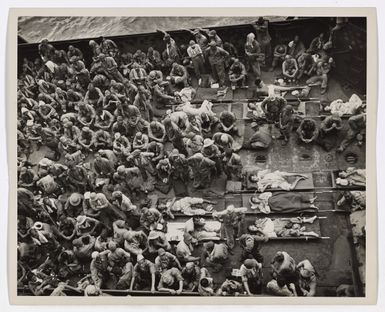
113 137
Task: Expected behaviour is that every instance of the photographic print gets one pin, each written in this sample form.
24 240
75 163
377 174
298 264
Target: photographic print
192 156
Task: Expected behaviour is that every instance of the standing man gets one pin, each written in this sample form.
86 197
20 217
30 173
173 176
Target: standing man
202 170
286 123
254 55
171 53
231 219
261 27
200 38
217 57
194 51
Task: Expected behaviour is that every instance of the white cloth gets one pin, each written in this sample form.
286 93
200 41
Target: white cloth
272 179
267 226
190 110
345 108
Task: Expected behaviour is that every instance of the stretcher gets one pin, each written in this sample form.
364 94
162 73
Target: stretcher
175 231
246 203
276 228
335 176
302 185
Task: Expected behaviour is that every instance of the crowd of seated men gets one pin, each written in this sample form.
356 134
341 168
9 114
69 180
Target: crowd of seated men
107 137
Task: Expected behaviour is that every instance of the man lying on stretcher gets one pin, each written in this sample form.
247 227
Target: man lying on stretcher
283 227
277 179
190 206
286 202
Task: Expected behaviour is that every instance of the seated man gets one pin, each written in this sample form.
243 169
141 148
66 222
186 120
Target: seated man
322 69
125 278
104 120
206 283
193 127
283 266
227 122
330 127
46 111
208 120
214 255
86 114
138 75
121 145
355 200
261 139
48 185
194 144
150 218
118 89
117 258
224 141
178 75
27 177
83 246
184 249
357 131
87 139
307 278
135 242
250 245
102 139
110 67
305 64
289 68
161 98
157 149
230 288
99 268
166 260
94 96
171 281
144 274
296 47
280 51
278 287
317 43
157 240
156 131
140 141
237 75
251 274
103 166
308 131
111 101
191 275
153 78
